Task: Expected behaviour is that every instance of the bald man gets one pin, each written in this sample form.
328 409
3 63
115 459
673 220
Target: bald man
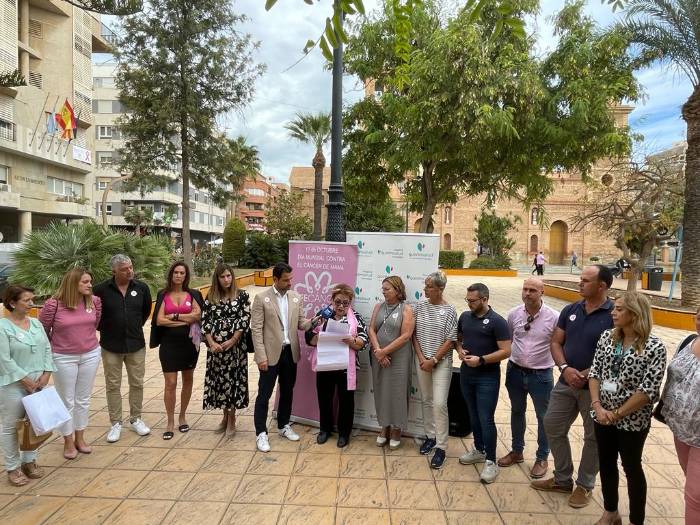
529 371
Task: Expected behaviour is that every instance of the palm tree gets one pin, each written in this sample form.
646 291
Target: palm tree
316 130
669 31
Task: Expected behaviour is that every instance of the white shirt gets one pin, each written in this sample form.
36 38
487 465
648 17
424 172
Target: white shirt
283 303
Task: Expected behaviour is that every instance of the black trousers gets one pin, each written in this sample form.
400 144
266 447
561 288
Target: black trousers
326 385
628 445
286 370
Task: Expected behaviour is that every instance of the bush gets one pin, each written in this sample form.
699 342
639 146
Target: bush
234 241
263 250
489 262
204 261
451 259
47 254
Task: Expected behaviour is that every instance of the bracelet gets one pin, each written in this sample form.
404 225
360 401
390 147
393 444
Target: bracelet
435 360
596 401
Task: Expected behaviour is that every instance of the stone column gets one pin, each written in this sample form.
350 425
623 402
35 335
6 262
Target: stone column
25 224
24 37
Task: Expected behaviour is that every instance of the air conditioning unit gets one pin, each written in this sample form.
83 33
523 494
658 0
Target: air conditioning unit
4 187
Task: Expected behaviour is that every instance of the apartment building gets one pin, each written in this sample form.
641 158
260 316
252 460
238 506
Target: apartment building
206 218
252 205
43 177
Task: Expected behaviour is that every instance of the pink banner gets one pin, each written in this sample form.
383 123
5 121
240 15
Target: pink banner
318 266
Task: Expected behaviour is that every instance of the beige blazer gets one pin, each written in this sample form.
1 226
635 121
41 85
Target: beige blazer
267 329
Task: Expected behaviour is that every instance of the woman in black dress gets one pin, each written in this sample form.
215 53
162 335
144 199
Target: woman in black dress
225 318
177 308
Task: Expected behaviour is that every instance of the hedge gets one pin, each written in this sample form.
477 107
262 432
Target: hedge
451 259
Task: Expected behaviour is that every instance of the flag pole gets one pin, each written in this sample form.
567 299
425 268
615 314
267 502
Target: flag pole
37 120
50 116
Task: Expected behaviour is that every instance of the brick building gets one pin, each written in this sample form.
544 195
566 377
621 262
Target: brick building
253 203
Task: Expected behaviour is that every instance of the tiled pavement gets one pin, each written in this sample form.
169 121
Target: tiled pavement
201 477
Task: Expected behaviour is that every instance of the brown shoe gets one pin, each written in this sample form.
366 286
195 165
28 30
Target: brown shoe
32 470
580 497
550 485
539 469
17 478
510 459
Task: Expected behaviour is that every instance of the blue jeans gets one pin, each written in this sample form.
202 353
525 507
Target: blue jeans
480 391
539 385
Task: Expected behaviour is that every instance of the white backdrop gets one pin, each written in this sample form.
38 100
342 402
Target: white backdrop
411 256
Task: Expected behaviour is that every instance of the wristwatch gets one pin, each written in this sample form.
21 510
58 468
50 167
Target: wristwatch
482 361
562 367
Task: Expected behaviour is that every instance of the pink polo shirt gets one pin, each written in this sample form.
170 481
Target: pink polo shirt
531 348
71 331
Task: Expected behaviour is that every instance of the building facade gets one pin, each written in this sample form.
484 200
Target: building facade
43 177
253 200
206 218
302 179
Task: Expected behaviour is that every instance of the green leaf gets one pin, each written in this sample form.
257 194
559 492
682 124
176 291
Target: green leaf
310 44
330 34
308 2
269 4
359 6
339 31
325 49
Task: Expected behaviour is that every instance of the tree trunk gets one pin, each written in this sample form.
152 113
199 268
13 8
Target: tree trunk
635 275
186 240
109 187
429 200
690 264
318 163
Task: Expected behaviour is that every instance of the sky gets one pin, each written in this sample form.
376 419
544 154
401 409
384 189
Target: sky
286 89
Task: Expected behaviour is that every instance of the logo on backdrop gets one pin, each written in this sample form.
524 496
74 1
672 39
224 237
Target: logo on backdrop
420 246
389 268
418 295
315 289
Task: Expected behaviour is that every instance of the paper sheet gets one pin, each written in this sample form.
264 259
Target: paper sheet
332 352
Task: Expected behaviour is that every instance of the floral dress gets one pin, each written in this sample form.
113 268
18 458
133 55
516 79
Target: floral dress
226 379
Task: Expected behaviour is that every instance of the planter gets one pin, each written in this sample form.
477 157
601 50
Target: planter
483 272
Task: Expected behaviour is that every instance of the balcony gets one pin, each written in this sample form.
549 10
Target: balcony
8 199
103 38
53 6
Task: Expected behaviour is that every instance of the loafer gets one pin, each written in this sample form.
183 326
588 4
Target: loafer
381 441
342 441
322 437
511 459
539 469
580 497
550 485
32 470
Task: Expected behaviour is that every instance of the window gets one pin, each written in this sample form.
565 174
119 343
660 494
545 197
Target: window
448 216
102 106
104 132
104 82
102 185
108 209
7 130
219 221
4 174
533 216
64 187
104 159
255 192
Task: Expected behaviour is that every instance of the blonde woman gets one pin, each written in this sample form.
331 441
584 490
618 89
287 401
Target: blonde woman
225 318
70 319
624 381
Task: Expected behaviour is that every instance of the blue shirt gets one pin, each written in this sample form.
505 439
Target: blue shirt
23 352
583 331
480 335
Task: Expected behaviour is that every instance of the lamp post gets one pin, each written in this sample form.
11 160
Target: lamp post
335 222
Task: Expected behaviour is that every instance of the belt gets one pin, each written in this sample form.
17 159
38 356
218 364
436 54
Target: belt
528 370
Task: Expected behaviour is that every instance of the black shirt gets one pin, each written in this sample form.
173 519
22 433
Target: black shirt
480 335
583 331
123 316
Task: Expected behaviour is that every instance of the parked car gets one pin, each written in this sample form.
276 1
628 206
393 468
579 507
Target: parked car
5 270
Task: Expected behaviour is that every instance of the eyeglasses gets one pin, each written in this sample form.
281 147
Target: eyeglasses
530 318
472 301
341 303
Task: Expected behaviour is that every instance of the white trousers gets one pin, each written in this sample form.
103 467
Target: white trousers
12 410
74 379
434 389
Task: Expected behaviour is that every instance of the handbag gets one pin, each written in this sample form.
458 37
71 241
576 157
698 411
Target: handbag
196 335
45 410
248 341
656 414
27 438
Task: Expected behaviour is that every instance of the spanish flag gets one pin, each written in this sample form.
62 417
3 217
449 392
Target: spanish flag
65 118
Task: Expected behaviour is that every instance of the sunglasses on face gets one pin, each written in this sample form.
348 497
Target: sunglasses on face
344 304
530 318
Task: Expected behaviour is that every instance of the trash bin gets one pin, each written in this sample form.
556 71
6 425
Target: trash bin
655 278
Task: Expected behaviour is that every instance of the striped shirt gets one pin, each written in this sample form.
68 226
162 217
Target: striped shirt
435 324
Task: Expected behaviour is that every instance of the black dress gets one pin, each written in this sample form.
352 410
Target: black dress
176 350
226 379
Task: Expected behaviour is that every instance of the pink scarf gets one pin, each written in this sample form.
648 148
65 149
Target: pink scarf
352 370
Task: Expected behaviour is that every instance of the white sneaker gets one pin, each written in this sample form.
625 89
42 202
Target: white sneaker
114 433
286 431
140 427
489 472
262 442
472 457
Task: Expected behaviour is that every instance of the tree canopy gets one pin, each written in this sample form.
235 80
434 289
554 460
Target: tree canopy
480 115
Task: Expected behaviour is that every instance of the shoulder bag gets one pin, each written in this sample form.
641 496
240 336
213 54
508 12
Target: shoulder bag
656 414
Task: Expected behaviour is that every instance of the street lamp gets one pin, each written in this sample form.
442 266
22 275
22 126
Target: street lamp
335 222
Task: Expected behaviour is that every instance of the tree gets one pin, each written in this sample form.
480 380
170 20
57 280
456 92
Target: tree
316 130
109 7
492 234
669 31
285 218
639 205
181 65
234 241
139 217
481 116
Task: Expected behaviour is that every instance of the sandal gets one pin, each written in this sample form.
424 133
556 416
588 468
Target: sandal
84 450
17 478
32 470
168 435
184 428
